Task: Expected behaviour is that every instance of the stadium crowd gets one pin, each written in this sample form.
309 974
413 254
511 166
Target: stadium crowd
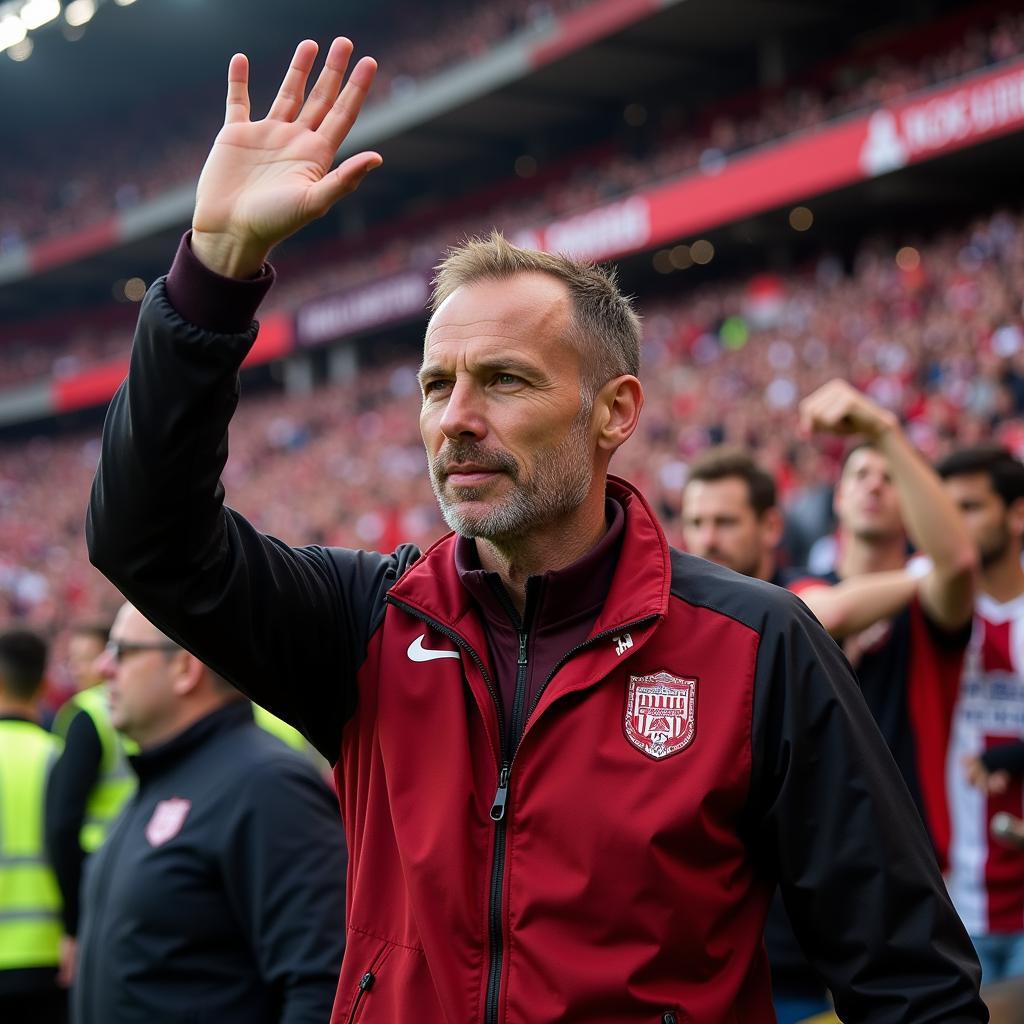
935 332
929 334
89 180
570 187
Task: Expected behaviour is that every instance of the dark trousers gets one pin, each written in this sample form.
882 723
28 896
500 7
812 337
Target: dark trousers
49 1007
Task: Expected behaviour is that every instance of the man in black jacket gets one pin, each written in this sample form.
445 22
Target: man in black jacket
220 889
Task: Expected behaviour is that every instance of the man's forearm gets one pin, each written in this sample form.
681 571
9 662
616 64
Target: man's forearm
932 521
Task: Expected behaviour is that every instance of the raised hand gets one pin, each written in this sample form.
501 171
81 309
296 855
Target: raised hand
263 180
839 408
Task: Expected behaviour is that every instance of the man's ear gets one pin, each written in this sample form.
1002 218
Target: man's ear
773 525
1015 517
617 410
188 672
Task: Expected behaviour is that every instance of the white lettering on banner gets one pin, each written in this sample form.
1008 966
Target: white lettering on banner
380 303
945 120
606 231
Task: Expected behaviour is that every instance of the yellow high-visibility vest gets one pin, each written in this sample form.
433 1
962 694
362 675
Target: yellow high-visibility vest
289 735
116 781
30 901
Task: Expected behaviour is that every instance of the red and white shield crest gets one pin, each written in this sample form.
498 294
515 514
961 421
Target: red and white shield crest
661 713
168 817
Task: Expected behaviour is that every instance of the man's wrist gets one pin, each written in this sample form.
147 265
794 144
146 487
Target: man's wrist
886 428
226 255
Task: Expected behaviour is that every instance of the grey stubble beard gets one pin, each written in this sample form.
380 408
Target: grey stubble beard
560 483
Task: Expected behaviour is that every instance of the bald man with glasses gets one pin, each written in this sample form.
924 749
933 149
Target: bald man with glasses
222 883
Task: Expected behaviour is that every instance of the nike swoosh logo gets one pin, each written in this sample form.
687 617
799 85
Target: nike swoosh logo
417 652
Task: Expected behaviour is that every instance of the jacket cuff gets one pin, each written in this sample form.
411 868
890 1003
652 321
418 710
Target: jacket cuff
224 305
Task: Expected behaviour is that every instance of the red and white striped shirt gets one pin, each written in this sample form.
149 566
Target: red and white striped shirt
986 880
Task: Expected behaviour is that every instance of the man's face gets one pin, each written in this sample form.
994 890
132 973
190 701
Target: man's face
140 682
988 520
83 651
720 524
505 419
866 503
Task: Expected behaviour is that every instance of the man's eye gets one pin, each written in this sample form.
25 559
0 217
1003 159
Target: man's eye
506 378
433 386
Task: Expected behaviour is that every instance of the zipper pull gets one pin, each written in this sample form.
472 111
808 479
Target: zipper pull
366 981
522 648
501 797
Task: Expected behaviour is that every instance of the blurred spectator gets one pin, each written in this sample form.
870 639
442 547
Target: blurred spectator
30 926
908 666
222 883
985 879
90 782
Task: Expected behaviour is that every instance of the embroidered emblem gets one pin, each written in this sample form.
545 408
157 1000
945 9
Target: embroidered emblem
168 817
417 652
661 713
622 643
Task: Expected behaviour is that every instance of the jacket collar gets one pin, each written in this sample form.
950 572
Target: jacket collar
162 758
639 586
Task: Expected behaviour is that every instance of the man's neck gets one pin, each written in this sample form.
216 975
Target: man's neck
1004 580
557 546
858 556
18 709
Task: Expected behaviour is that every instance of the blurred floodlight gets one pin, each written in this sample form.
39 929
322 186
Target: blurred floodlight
38 12
663 261
680 257
20 51
12 31
800 218
702 251
526 166
78 12
635 115
135 289
908 258
124 3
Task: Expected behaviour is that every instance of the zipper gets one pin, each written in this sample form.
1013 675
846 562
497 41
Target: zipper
365 984
499 805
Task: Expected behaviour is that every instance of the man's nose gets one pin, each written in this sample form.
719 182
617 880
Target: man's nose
463 414
105 666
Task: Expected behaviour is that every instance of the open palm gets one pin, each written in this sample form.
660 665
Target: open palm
263 180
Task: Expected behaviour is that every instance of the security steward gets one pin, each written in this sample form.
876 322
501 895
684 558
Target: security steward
220 888
90 782
30 905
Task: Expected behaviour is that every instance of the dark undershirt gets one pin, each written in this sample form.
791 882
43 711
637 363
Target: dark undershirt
72 779
561 609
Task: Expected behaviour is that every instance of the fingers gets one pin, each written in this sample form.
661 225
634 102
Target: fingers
293 86
344 179
325 92
238 90
343 113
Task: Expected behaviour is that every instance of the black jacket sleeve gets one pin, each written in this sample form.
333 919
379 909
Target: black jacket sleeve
834 820
284 865
288 626
71 780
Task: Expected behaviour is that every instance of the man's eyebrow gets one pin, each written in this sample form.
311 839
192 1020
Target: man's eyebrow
495 364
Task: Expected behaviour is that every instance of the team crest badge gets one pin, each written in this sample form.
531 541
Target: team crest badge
661 713
168 817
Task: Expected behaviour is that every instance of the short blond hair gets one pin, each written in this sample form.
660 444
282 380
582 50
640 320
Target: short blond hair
606 326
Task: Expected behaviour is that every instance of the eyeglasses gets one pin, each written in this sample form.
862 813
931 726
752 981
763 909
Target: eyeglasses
120 649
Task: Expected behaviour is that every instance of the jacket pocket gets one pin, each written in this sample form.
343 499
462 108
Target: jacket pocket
367 981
